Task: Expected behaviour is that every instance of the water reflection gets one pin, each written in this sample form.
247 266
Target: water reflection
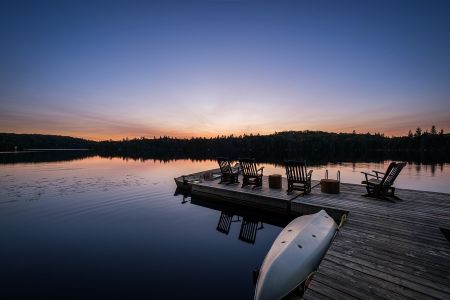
56 155
248 230
114 227
43 156
225 221
429 177
249 220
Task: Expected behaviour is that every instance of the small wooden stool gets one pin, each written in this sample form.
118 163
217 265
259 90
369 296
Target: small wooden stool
329 186
275 181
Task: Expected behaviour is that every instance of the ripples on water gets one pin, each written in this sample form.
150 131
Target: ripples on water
113 228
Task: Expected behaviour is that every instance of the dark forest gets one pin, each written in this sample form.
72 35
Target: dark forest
317 146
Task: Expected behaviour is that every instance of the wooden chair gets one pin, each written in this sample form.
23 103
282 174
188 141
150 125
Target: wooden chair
297 176
229 174
250 172
381 185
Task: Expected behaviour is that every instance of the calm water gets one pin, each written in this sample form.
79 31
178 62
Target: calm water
113 228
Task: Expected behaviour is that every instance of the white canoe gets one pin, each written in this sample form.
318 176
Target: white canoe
296 252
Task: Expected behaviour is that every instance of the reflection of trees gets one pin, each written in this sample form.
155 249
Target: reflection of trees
433 169
44 156
316 147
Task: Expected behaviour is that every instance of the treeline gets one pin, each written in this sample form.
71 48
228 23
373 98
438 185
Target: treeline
19 142
312 145
425 146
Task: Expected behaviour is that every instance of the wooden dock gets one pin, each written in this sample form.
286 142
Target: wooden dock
384 251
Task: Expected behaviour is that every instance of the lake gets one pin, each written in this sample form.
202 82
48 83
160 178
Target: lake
112 228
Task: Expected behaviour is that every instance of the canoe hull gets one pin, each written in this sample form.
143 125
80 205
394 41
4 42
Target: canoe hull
295 253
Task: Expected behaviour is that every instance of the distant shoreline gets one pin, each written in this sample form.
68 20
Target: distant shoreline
40 150
318 146
59 149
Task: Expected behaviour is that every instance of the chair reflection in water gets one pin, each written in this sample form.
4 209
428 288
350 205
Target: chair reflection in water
185 195
225 221
249 229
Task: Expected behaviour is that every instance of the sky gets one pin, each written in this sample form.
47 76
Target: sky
116 69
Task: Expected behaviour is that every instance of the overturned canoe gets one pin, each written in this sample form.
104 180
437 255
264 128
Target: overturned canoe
295 253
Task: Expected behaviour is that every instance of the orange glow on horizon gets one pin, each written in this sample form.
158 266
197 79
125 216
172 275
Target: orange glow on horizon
187 135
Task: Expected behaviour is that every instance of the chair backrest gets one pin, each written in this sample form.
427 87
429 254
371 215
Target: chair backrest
224 165
391 174
296 170
248 167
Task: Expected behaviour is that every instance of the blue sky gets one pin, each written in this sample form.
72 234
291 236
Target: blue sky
201 68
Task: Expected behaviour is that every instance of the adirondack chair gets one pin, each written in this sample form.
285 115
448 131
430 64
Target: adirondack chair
250 172
228 173
297 176
380 186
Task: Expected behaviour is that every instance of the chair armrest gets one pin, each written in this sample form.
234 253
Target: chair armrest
368 174
378 172
260 169
310 174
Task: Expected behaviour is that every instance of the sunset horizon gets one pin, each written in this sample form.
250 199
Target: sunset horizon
214 135
223 67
